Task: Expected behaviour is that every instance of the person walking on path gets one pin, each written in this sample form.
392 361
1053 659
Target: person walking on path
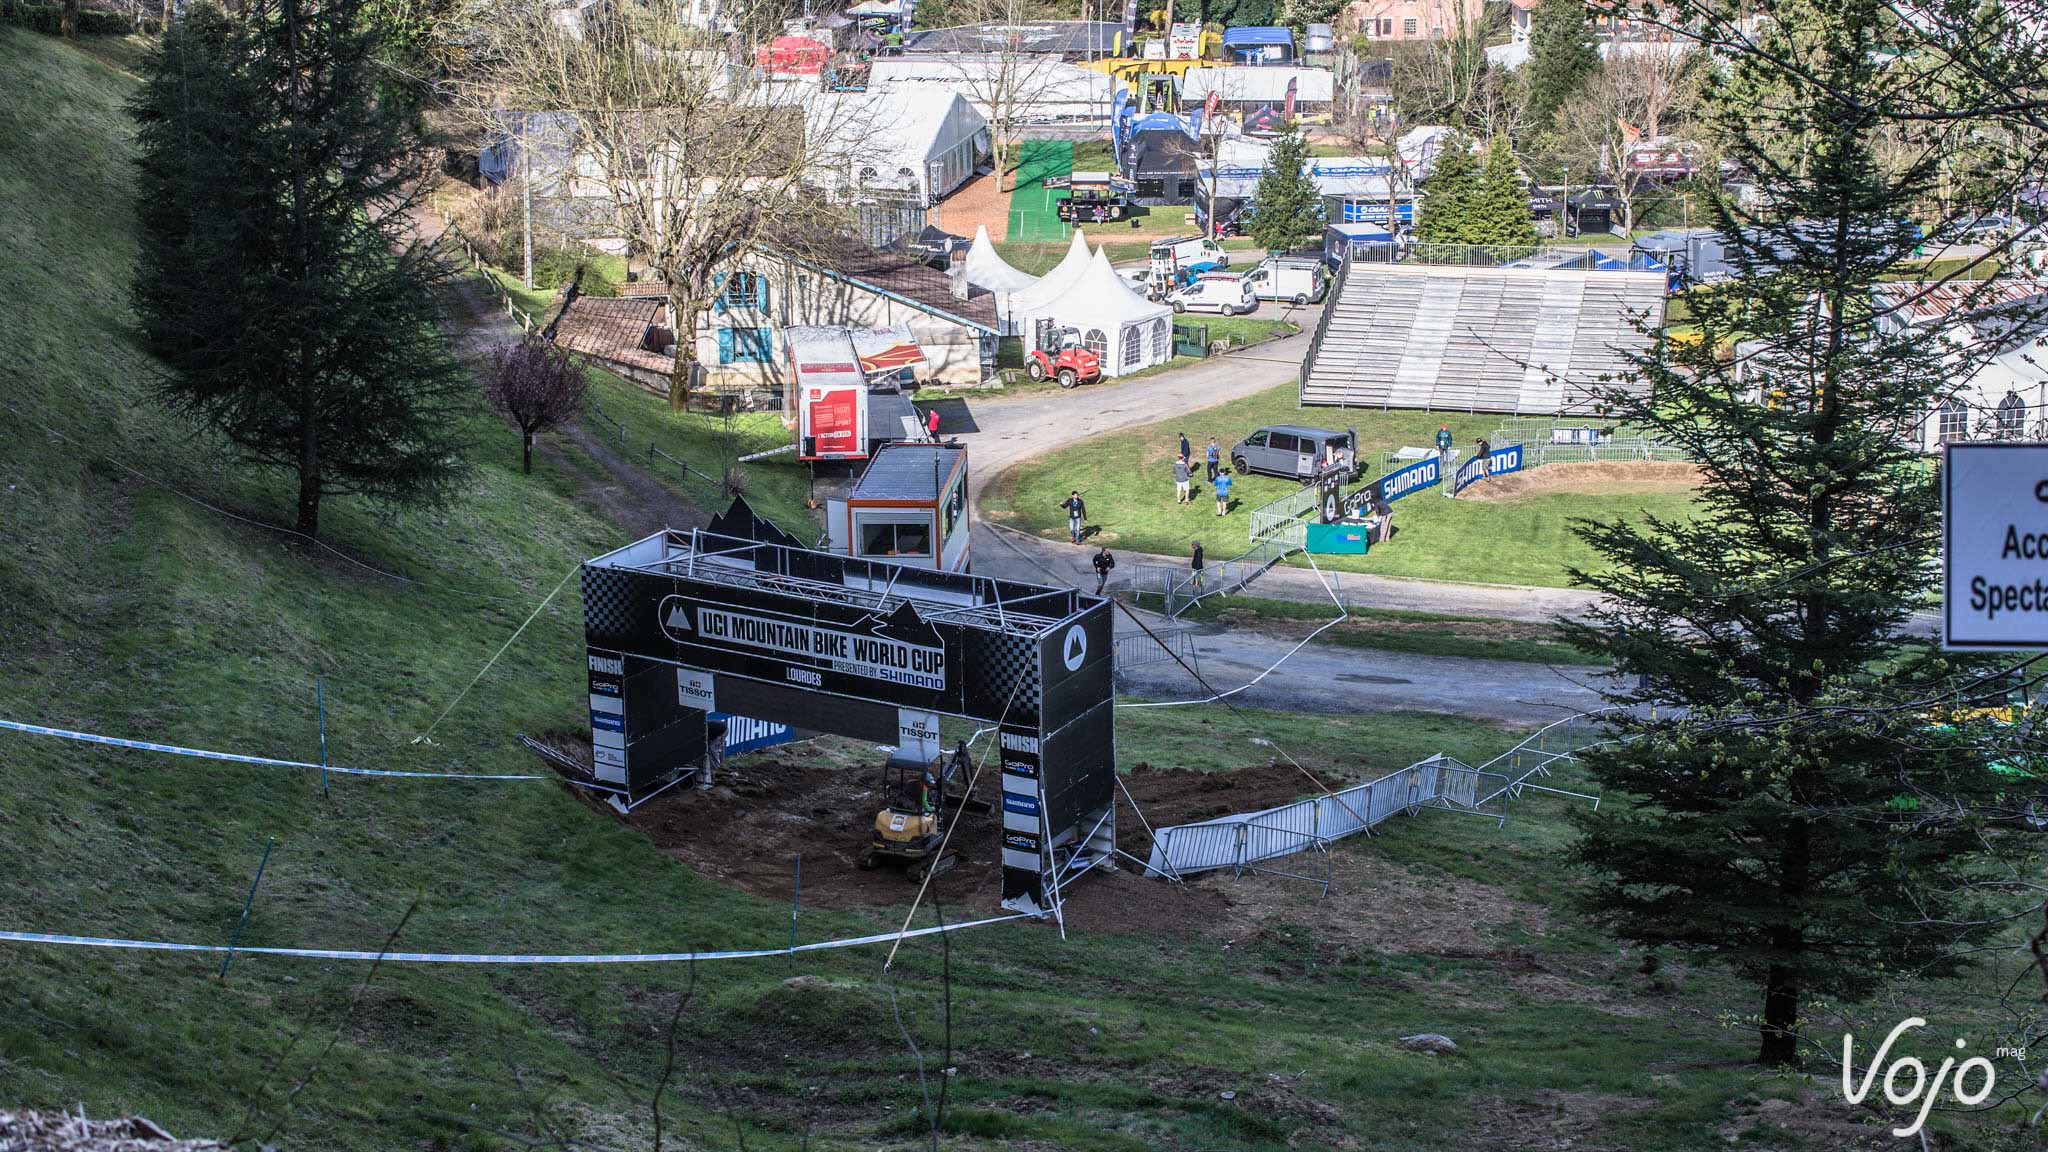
1215 457
1077 511
1104 562
1443 457
1223 493
1186 454
1181 477
931 422
1195 566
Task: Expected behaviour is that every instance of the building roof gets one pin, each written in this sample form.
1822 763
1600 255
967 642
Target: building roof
897 275
614 328
1064 37
1315 85
1921 303
901 471
1157 152
1257 37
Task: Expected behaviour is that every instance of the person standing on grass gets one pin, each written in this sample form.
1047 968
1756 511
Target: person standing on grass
1186 454
1223 492
1443 456
1104 562
1214 454
1077 511
1195 566
1181 477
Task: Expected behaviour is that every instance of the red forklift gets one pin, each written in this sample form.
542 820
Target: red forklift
1061 356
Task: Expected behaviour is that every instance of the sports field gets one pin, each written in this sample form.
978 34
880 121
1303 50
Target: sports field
1034 212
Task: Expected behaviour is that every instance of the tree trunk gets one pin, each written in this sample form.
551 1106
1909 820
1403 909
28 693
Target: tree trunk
1781 1015
526 453
309 502
684 316
68 24
169 6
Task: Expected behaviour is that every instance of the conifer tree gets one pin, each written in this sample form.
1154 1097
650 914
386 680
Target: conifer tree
1561 57
1450 197
1503 209
277 280
1285 213
1792 809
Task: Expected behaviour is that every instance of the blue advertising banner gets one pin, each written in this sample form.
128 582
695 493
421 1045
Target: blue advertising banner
1500 462
1415 477
745 734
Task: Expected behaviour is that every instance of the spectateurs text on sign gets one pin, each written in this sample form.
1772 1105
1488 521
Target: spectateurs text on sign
1991 599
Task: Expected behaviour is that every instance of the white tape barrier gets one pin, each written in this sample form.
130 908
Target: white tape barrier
488 958
236 758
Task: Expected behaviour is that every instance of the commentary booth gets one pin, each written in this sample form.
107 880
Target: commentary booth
740 619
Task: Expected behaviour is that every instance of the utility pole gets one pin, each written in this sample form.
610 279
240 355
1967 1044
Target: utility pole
526 194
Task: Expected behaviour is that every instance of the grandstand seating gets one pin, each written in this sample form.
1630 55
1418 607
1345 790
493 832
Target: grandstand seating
1463 339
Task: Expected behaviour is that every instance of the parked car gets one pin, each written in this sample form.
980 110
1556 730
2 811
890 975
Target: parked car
1297 451
1225 293
1289 278
1990 228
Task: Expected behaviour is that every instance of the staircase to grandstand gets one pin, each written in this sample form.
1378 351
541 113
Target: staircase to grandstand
1523 337
1244 842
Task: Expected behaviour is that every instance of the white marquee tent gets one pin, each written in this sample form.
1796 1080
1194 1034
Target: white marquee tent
985 268
1128 332
1029 304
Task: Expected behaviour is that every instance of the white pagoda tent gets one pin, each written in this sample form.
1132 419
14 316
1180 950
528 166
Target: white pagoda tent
1032 304
1126 331
986 269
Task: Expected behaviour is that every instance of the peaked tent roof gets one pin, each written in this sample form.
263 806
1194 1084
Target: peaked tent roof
1106 299
1054 284
986 268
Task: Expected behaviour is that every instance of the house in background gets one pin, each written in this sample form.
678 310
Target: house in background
2005 397
1412 19
842 282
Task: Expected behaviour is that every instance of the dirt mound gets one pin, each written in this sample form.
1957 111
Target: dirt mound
1602 479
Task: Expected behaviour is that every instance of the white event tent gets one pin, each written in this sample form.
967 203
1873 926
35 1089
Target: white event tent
986 269
1035 303
1128 332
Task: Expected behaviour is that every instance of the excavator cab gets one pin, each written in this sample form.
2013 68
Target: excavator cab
916 813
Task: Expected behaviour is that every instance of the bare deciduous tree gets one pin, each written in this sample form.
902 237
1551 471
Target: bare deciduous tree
536 386
1008 82
678 145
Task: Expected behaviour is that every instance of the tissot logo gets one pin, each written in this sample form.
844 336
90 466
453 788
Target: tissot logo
1074 648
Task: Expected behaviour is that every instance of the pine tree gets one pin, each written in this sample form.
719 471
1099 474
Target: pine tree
1793 813
276 279
1561 56
1286 204
1503 209
1450 197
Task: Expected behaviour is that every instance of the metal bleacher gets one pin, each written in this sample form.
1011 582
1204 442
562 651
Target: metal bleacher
1477 339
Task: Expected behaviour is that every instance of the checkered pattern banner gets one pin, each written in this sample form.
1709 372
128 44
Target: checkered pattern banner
996 666
607 607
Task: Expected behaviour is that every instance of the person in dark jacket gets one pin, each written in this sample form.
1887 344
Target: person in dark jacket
1077 511
1443 457
1104 562
1195 565
1186 453
1214 454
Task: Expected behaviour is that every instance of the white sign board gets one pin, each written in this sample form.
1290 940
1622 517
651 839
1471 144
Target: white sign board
1995 546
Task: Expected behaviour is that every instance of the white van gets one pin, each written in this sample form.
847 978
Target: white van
1226 293
1192 253
1301 281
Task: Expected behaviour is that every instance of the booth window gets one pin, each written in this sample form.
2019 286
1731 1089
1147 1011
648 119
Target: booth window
745 346
1096 342
956 503
2012 416
1133 346
887 539
1161 330
1955 420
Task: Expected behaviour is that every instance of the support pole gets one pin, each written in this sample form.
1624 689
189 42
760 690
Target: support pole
795 899
246 905
320 704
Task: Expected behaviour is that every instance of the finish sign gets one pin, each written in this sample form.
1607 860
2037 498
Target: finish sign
1995 546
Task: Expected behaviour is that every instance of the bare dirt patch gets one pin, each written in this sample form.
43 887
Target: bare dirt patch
1378 905
1601 479
1550 1120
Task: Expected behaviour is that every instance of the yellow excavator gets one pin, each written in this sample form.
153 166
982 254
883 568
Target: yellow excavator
916 813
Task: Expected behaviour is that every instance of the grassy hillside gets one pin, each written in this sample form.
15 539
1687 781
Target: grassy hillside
1247 1014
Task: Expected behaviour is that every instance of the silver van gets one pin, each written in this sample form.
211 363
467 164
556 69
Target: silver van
1297 452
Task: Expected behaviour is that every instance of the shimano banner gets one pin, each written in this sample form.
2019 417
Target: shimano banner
1415 477
1499 462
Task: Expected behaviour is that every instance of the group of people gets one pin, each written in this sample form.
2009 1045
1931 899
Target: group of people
1184 474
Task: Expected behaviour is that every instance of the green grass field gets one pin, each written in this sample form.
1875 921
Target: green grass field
1263 1018
1034 208
1128 481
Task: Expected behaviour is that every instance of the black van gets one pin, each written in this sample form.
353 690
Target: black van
1297 451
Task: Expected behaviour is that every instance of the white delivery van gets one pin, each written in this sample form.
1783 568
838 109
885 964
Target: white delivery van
1225 293
1301 281
1187 253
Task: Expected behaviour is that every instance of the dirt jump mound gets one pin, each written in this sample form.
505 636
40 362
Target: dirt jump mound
1616 478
